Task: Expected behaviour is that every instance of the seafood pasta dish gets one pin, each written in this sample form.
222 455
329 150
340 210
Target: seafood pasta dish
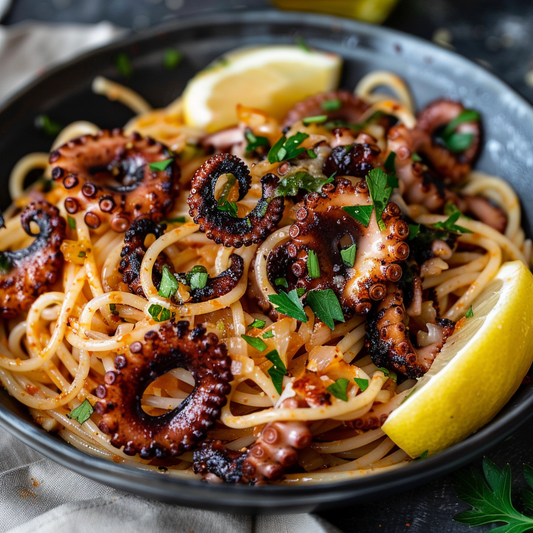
248 303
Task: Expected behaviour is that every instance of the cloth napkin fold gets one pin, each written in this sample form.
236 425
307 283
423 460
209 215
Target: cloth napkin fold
36 494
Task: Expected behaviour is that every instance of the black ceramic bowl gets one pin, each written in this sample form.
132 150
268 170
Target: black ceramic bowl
431 72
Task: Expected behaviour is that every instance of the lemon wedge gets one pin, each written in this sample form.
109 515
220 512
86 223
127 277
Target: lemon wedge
270 78
478 370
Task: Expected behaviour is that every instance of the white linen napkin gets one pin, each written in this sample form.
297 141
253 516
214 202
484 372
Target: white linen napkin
36 494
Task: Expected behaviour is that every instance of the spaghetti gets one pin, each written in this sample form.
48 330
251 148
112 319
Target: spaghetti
292 388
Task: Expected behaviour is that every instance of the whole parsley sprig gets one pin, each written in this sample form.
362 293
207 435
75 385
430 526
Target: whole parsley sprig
490 498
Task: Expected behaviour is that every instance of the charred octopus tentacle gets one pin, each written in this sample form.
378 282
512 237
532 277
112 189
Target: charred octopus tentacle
325 228
108 175
220 225
266 459
172 346
388 338
133 252
27 273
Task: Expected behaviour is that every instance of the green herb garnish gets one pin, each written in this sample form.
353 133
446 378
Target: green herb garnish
313 266
362 383
339 389
176 220
71 222
380 191
82 254
160 313
254 141
172 58
413 230
113 309
257 324
300 41
289 304
286 149
450 224
311 154
160 165
491 499
317 119
5 263
169 284
455 141
470 313
47 125
230 207
268 334
423 455
255 342
281 282
388 373
361 213
348 255
198 280
326 306
123 65
82 413
390 163
277 371
416 158
290 185
331 105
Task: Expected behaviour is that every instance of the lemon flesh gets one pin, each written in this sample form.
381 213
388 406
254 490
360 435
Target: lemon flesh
478 370
270 78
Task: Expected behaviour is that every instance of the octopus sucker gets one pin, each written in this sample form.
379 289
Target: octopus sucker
173 345
108 176
221 226
265 460
323 226
27 273
388 338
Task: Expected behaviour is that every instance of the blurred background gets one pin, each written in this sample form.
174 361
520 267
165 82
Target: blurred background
497 34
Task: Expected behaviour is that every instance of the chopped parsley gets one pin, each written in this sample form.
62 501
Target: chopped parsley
470 313
289 304
362 383
313 266
230 207
450 208
450 224
331 105
300 41
198 279
326 306
224 195
82 254
281 282
255 342
286 149
113 309
71 222
388 373
455 141
82 413
5 263
123 65
413 230
160 165
290 185
311 154
348 255
380 191
169 284
416 158
390 163
254 141
339 389
176 220
160 313
317 119
268 334
423 455
257 324
277 371
172 58
361 213
47 125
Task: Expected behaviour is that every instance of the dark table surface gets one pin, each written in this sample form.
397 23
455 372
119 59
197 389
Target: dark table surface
495 33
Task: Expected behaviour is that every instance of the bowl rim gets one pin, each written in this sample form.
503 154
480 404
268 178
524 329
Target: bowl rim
265 499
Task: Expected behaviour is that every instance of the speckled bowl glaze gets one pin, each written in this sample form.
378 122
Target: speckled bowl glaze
64 94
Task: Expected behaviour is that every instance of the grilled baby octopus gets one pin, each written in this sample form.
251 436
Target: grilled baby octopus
27 273
322 226
134 249
173 345
108 175
220 225
266 459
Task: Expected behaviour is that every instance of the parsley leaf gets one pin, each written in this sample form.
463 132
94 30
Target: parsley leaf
458 142
172 58
160 165
361 213
257 324
71 222
300 41
468 115
388 373
289 304
416 158
177 220
470 313
281 282
326 306
254 142
311 154
378 186
286 149
268 334
348 255
362 383
255 342
123 65
313 266
317 119
455 141
449 224
47 125
413 230
82 413
491 499
5 263
339 389
390 163
277 371
82 254
224 195
230 207
290 185
169 284
198 280
331 105
160 313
